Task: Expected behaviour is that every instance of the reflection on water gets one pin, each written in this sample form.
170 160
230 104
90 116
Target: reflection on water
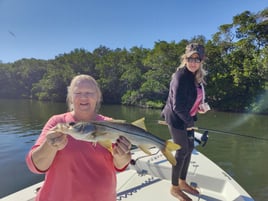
20 124
243 158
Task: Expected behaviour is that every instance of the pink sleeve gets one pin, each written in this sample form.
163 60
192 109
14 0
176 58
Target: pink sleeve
50 124
30 163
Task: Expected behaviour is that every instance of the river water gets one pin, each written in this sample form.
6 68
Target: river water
243 157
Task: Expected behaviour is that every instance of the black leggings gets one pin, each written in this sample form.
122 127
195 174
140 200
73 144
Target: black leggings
183 155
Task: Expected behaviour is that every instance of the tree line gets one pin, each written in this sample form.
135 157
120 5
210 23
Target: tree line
237 66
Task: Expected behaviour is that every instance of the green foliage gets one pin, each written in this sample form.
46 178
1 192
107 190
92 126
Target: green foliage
236 62
239 68
152 104
53 86
131 98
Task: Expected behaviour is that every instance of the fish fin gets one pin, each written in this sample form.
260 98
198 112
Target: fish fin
170 146
139 123
106 144
169 156
94 143
145 149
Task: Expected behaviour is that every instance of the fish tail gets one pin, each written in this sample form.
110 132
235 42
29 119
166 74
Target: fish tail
166 151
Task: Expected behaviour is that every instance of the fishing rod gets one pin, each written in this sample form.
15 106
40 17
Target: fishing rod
231 133
221 132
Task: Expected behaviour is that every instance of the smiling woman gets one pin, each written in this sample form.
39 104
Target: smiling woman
77 165
84 86
186 94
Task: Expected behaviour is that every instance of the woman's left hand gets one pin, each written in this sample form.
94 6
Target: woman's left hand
121 152
122 146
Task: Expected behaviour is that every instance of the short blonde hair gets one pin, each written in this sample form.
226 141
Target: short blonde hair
73 83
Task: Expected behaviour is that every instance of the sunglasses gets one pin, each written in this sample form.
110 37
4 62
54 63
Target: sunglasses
193 60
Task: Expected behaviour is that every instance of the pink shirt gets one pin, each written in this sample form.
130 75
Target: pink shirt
80 172
198 100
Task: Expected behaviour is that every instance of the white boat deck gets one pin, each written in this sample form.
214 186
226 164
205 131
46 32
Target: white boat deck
149 179
213 183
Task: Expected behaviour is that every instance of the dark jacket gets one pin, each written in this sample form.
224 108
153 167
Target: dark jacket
181 98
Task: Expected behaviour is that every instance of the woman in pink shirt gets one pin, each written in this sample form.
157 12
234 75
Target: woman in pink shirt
77 170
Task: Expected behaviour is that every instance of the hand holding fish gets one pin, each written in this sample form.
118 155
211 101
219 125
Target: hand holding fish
44 154
121 152
122 146
57 140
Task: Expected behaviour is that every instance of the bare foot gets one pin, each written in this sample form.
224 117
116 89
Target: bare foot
188 189
177 193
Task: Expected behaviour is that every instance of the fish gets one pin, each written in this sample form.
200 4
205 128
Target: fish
107 132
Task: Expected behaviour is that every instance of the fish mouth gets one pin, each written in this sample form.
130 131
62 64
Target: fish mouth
61 128
64 127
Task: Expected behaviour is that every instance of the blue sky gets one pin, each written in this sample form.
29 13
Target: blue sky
43 29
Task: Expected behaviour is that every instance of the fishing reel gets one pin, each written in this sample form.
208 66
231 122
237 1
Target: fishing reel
202 139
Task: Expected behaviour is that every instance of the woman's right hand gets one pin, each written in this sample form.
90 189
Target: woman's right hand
44 155
57 140
190 128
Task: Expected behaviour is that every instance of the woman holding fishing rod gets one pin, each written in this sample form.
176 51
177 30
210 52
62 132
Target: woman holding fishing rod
185 99
77 170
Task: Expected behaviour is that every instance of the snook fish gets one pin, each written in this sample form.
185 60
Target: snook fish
106 132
